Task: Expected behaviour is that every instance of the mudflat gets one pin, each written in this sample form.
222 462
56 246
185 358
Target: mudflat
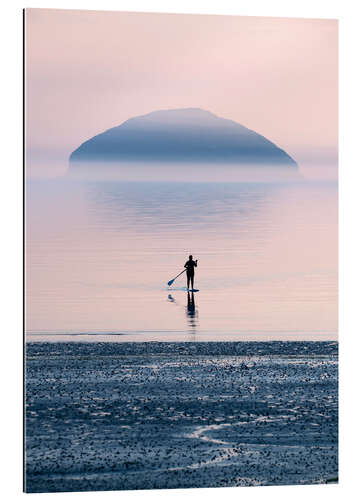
144 415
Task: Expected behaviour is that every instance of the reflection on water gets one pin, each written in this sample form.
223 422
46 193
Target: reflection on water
174 206
192 313
190 310
99 256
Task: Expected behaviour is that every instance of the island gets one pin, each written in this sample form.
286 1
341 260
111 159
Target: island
190 135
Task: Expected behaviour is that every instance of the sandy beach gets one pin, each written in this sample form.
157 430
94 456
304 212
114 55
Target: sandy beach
119 416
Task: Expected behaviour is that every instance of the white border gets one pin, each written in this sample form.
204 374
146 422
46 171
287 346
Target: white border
11 230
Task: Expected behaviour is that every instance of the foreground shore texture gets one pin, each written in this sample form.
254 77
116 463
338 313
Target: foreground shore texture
122 416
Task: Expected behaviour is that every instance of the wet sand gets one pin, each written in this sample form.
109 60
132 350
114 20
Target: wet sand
120 416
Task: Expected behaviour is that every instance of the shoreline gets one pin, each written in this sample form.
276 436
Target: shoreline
214 348
141 336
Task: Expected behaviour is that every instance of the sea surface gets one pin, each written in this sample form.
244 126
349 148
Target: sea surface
99 254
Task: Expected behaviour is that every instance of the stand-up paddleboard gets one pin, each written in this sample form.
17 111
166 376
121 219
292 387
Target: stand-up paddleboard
179 289
184 289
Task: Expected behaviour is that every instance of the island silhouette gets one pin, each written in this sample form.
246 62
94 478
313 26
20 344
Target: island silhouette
189 135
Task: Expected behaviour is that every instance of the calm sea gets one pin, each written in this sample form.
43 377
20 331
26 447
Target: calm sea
99 255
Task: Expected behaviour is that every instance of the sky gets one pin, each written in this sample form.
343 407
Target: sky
87 71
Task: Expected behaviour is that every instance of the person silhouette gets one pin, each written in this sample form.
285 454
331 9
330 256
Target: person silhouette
190 271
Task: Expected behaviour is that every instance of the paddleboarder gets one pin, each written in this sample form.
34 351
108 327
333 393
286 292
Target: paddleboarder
190 271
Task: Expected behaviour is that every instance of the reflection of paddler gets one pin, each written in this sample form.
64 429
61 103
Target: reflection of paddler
190 304
190 271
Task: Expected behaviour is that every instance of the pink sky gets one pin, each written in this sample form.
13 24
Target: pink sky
88 71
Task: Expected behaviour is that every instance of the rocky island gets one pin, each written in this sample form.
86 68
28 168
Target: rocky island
181 136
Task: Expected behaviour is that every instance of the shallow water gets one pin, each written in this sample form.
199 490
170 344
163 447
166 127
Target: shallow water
99 255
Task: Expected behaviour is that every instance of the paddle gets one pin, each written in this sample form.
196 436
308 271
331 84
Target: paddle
171 281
